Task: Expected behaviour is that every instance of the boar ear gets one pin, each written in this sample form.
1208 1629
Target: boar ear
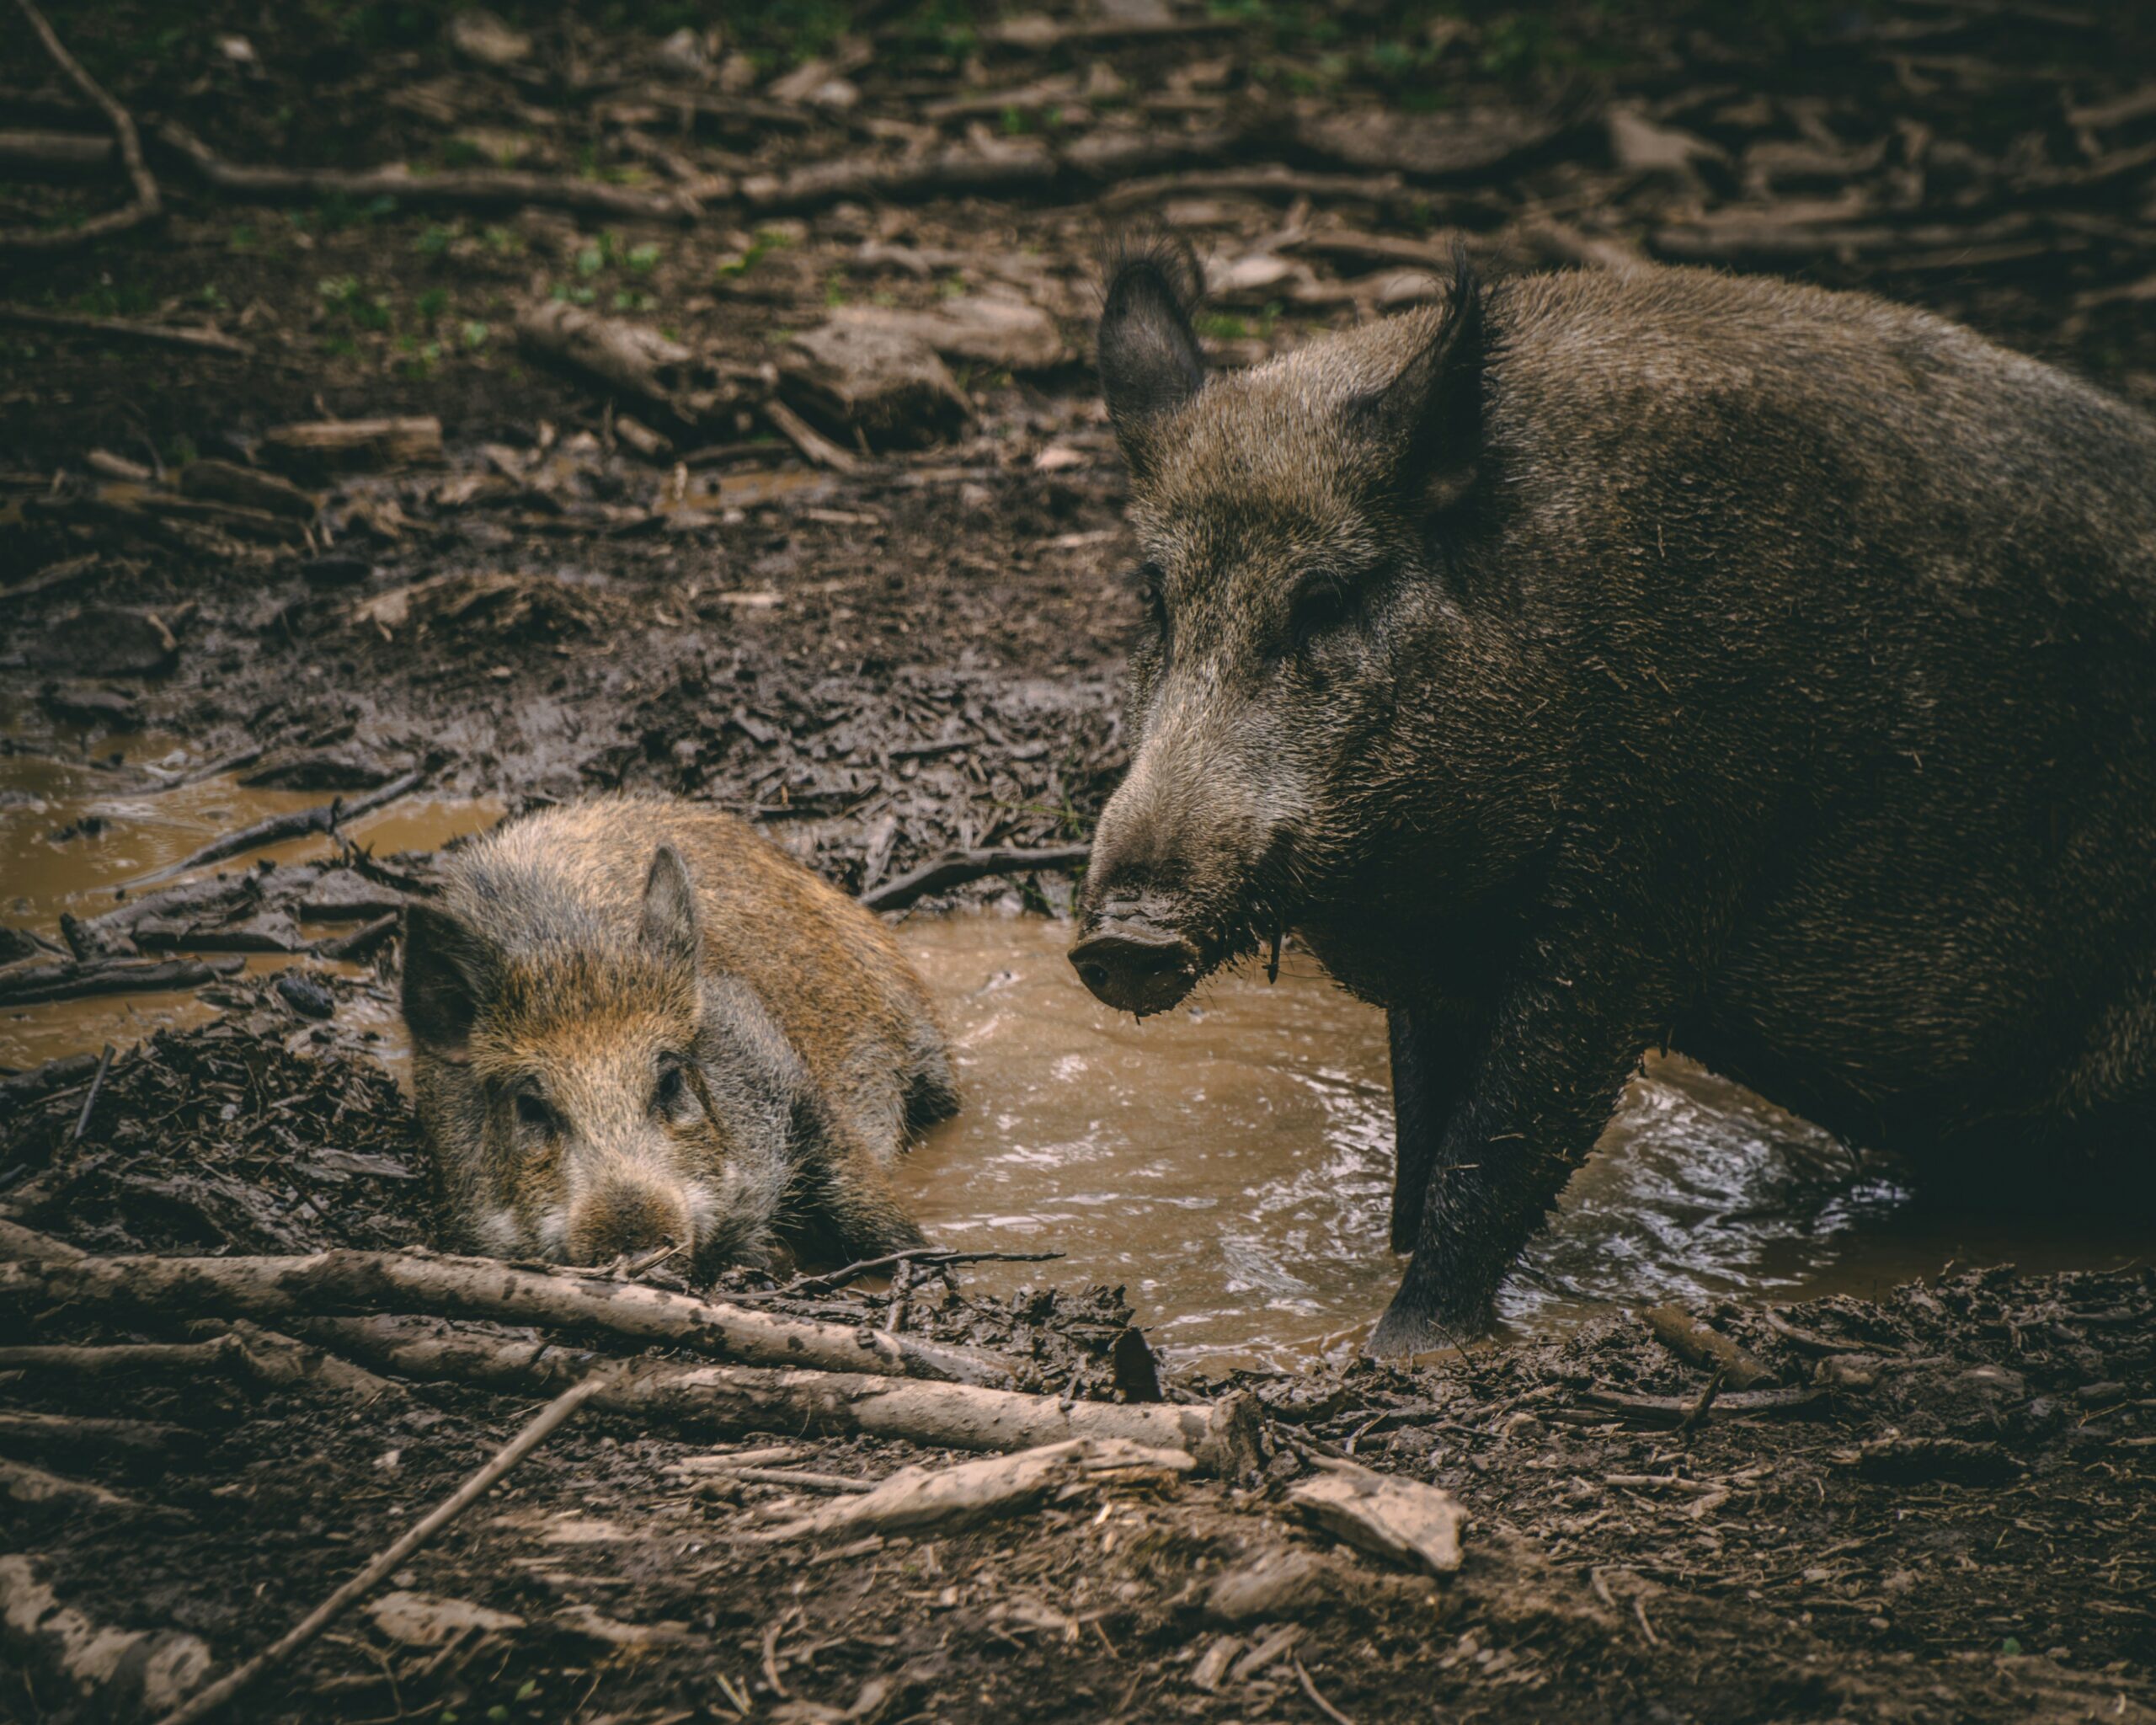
1149 355
449 969
669 927
1427 423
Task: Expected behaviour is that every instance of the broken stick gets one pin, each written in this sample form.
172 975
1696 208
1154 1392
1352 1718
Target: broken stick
952 1497
1689 1339
961 866
553 1414
478 1287
724 1400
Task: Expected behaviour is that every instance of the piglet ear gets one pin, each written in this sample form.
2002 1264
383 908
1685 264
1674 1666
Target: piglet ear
450 968
1149 355
1426 425
669 926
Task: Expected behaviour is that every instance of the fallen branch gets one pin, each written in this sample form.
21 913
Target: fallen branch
1385 190
121 1671
632 358
952 1497
480 1288
360 942
325 817
43 983
1002 169
1813 1342
197 336
1676 1410
68 152
1703 1346
961 866
545 1422
147 207
22 1428
26 1484
464 189
242 1350
816 449
392 442
726 1400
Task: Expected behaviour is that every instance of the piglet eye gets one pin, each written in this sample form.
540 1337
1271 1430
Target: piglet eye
673 1089
532 1111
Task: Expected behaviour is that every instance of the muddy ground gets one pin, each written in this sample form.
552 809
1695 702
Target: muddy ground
905 642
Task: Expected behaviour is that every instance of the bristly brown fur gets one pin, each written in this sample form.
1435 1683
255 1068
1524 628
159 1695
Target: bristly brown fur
564 973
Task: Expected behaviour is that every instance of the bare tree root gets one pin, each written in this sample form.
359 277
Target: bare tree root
147 205
463 190
725 1400
471 1287
197 336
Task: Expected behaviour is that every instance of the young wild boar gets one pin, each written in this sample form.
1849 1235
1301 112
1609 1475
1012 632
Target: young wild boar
1597 663
636 1023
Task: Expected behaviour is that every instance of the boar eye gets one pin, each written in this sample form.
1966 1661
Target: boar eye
672 1091
533 1111
1323 602
1152 594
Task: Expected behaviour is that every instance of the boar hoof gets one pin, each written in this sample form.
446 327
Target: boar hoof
1404 1330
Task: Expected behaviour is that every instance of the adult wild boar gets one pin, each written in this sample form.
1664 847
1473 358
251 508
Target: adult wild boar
635 1023
1596 663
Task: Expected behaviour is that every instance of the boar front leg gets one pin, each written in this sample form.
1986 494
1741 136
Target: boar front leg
1431 1067
1560 1048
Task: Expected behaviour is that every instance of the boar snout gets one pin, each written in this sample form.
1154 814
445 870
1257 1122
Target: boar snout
626 1217
1135 964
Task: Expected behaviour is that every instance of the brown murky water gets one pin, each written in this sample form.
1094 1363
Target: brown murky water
1230 1163
82 813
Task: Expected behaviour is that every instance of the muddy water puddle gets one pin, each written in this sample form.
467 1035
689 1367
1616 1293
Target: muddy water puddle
1231 1163
84 812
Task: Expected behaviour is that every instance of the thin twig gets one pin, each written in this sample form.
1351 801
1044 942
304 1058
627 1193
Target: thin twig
90 1101
554 1413
1317 1701
147 205
935 1256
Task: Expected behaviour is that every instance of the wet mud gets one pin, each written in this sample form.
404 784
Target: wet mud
1935 1507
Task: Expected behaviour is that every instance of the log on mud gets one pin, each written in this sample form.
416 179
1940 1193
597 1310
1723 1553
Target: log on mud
117 1673
1221 1437
482 1288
